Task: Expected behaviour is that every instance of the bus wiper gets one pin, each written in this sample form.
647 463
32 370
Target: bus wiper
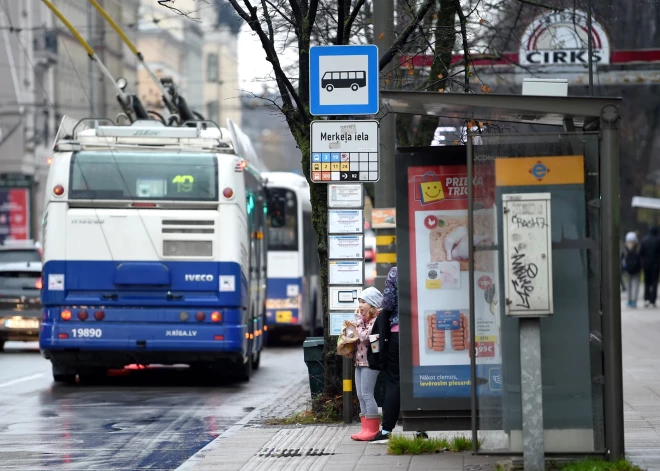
174 297
113 296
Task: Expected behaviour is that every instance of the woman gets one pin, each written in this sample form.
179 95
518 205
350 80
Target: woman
393 393
365 378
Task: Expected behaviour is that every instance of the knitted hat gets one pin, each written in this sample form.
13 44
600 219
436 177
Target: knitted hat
372 296
631 237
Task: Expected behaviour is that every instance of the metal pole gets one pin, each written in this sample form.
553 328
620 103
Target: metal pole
610 280
385 196
384 24
347 396
531 389
90 67
590 50
472 319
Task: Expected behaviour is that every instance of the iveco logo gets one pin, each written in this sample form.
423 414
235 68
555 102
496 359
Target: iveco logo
87 221
146 133
199 277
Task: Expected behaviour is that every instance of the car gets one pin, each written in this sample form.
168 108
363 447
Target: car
20 306
12 251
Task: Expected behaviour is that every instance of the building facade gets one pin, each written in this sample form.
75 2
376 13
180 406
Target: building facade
48 75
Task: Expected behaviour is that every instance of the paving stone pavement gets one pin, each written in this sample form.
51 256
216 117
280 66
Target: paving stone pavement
254 445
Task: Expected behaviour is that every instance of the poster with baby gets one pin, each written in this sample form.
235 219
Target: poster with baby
439 280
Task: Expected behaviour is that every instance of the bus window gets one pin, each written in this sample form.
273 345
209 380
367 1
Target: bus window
282 220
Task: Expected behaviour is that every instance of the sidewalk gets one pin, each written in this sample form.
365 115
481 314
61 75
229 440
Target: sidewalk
640 330
250 445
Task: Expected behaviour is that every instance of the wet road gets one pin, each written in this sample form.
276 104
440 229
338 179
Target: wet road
149 419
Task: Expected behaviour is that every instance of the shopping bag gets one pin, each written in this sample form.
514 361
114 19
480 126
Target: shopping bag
348 339
430 189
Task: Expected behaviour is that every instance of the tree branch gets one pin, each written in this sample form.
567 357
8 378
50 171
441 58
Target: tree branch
401 40
288 92
350 20
269 21
279 11
466 47
341 22
540 5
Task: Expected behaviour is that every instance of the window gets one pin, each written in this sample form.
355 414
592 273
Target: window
335 76
213 111
282 220
351 75
115 175
10 256
360 75
212 74
344 75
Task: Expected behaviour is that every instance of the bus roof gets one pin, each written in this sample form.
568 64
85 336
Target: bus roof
199 135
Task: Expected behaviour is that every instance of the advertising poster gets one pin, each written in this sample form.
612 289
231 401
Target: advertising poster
438 238
14 214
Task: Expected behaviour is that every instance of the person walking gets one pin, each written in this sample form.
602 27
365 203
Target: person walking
632 266
370 302
650 253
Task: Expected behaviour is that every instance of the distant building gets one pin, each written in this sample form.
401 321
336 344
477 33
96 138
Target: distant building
271 135
172 47
221 86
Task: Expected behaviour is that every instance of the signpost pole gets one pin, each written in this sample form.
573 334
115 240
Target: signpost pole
528 290
347 390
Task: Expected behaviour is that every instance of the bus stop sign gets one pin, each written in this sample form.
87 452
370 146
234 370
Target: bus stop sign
343 80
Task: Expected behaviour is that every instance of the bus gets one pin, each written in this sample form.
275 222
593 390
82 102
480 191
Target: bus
153 250
293 303
343 79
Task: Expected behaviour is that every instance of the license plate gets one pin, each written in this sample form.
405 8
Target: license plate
283 316
22 323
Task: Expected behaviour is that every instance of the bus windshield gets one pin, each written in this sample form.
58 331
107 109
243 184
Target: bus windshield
282 220
122 175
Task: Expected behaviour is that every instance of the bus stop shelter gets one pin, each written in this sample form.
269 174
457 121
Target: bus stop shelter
461 295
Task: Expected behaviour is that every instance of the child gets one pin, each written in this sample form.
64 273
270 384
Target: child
365 378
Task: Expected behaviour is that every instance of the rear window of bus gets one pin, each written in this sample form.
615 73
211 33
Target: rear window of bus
124 175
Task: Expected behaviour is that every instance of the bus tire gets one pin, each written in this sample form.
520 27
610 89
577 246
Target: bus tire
245 371
355 87
62 375
2 345
329 87
256 361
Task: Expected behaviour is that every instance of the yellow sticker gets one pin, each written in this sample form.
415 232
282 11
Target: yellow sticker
431 191
433 284
283 316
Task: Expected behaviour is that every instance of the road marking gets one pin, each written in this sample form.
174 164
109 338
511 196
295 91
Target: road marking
21 380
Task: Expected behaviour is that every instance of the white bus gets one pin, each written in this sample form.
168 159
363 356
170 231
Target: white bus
154 250
294 290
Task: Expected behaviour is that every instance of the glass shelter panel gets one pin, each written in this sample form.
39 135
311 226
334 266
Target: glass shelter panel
564 167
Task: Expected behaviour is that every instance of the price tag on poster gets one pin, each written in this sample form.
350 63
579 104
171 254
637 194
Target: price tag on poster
346 273
344 297
345 221
345 196
337 321
346 247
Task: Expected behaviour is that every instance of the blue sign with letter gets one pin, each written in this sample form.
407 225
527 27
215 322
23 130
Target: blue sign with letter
343 80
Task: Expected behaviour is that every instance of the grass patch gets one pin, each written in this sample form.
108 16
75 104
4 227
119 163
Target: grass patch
306 417
402 445
322 411
599 465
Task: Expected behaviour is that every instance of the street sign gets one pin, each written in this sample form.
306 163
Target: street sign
343 80
345 151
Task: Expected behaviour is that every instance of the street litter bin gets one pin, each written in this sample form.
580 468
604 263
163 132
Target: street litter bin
313 354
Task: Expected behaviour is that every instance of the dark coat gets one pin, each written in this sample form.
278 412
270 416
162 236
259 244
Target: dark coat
378 361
